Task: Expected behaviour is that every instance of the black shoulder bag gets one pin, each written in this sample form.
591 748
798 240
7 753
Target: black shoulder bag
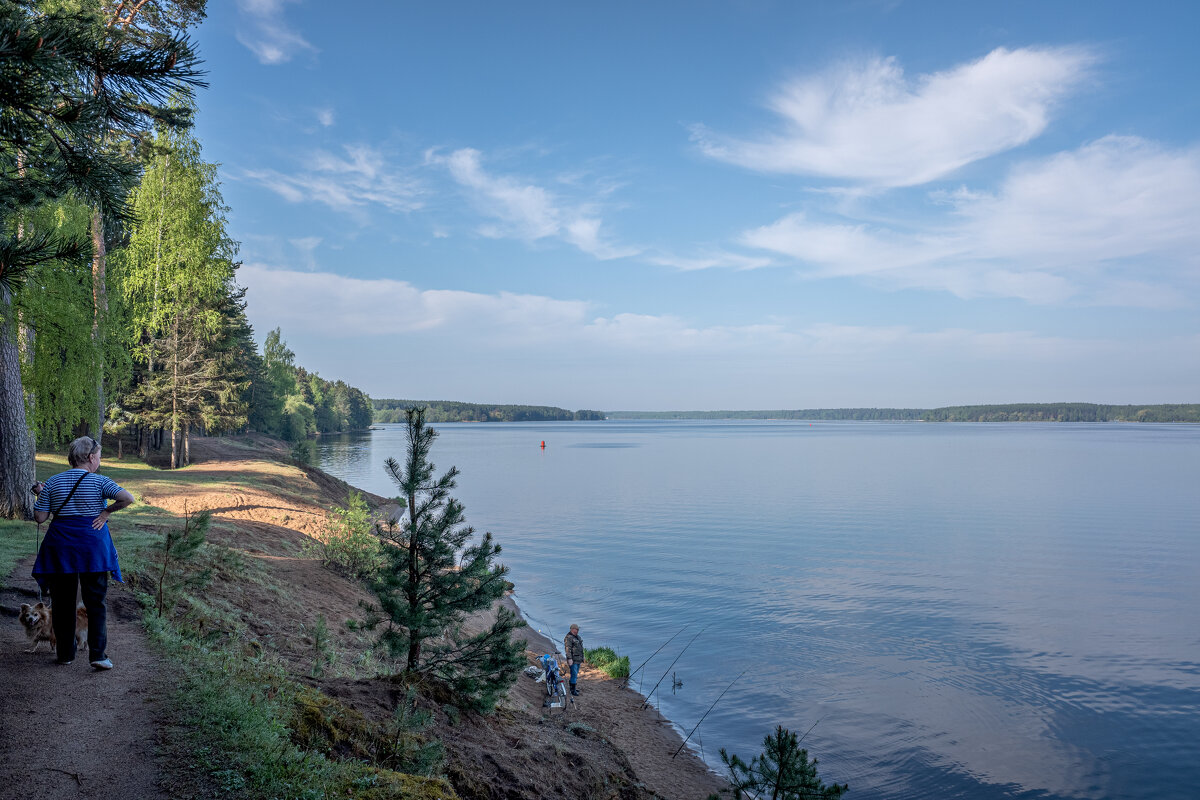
70 494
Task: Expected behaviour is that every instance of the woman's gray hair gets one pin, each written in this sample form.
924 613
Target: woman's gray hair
81 450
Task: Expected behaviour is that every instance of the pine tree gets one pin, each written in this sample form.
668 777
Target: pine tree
63 88
782 772
435 577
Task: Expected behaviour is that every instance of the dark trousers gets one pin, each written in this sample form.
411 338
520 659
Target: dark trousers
93 587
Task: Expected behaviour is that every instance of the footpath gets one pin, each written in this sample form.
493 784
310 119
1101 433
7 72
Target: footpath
71 731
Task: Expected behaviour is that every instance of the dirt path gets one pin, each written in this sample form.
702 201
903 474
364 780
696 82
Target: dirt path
71 731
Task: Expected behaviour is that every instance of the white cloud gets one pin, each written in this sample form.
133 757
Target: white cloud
341 307
867 122
263 30
527 211
1110 223
325 116
846 249
359 178
1114 199
711 259
438 343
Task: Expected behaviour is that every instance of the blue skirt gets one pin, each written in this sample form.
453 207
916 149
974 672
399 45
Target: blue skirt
71 546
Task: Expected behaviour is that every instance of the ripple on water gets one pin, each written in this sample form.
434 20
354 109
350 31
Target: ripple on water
966 611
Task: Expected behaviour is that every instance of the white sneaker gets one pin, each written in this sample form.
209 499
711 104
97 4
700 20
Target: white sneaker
104 663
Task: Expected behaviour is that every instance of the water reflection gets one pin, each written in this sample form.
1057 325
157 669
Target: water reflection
970 611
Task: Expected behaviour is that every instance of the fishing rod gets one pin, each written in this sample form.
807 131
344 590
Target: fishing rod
710 708
810 730
664 675
629 677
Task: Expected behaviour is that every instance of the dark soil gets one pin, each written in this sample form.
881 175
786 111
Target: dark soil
71 731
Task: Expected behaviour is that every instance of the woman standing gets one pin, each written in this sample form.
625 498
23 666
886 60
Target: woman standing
78 550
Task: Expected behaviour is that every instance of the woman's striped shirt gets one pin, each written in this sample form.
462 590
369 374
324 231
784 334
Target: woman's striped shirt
88 500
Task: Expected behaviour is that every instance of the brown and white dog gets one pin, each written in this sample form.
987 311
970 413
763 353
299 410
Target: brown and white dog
39 625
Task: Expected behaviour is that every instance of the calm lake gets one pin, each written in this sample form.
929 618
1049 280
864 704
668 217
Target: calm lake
961 610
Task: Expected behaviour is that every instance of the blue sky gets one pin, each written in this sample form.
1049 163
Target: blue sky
717 205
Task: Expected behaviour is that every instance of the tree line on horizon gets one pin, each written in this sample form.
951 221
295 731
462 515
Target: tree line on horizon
388 411
120 311
1012 412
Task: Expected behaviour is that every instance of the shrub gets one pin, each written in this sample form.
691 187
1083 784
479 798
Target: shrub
350 545
174 553
607 661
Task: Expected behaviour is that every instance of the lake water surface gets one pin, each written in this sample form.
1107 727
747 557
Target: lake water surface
962 611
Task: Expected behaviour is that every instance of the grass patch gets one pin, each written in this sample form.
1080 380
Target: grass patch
256 733
607 661
19 539
242 724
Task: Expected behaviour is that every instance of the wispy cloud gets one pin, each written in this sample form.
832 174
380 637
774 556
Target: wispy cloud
524 210
1111 223
673 361
359 177
866 122
342 307
713 258
325 116
263 30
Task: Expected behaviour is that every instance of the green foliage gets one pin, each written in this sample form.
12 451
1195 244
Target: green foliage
186 323
254 733
390 411
607 661
294 403
435 577
782 772
1065 412
70 83
59 355
323 652
350 544
177 548
299 421
874 414
303 453
69 86
403 744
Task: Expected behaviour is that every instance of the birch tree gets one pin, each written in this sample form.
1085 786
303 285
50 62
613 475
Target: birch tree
177 276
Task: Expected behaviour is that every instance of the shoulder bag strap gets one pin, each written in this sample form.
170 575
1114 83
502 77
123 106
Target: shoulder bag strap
63 504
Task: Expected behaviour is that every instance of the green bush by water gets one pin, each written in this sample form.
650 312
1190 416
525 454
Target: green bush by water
607 661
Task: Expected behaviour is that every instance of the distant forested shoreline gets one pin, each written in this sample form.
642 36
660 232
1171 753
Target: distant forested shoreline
391 411
388 410
1013 412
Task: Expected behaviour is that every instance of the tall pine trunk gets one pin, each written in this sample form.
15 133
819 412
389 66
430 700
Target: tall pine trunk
17 472
16 446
